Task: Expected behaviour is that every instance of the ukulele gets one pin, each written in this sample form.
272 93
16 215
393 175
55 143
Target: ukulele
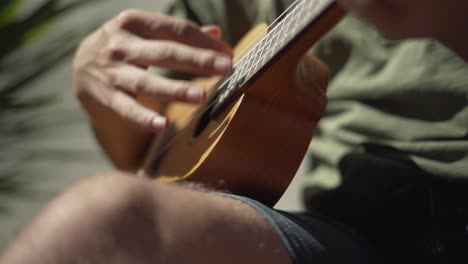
251 134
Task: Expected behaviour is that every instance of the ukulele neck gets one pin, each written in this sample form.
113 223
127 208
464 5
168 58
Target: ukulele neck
300 26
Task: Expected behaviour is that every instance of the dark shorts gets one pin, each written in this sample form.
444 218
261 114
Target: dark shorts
315 239
402 216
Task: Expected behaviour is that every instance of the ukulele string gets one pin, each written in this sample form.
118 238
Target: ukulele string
242 53
246 50
275 22
243 56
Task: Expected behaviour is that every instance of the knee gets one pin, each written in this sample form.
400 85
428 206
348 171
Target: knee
109 189
96 219
107 197
111 210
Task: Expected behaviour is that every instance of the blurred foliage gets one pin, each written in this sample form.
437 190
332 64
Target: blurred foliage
17 32
27 51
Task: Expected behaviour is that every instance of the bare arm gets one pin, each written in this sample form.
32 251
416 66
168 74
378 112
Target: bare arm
443 20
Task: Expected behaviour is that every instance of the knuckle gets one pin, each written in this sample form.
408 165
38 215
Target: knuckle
205 60
115 52
184 28
110 101
155 23
113 78
179 90
138 85
162 52
145 120
117 104
139 115
127 17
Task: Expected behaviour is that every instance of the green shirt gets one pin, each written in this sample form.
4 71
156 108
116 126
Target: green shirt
408 96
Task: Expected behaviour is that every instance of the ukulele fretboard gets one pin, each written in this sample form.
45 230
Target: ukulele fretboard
289 25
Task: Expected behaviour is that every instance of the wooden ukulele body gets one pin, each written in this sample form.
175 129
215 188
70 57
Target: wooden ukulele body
255 146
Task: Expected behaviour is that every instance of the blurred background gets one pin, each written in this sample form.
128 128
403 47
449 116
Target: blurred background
45 142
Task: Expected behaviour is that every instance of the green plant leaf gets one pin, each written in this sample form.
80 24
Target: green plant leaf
8 9
17 33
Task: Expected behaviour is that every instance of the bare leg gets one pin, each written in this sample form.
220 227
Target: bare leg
117 219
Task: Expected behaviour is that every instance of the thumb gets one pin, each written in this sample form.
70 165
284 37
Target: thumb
312 75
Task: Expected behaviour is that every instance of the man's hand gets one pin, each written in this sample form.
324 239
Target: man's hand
110 66
110 77
312 76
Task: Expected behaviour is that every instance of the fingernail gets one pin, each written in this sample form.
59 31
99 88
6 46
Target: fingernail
212 30
195 94
223 65
159 122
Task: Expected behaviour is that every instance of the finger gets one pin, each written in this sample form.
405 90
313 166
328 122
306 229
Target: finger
159 26
212 30
312 74
173 55
137 81
129 109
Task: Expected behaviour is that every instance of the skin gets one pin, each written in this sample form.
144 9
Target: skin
138 222
109 73
109 67
142 222
401 19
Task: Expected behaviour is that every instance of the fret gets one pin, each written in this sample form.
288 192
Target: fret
290 21
245 60
289 24
268 44
247 64
274 39
243 72
297 17
278 41
282 34
309 10
257 63
250 68
312 5
233 78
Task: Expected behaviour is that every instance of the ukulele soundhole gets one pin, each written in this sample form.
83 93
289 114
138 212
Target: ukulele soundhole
203 121
216 104
226 94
